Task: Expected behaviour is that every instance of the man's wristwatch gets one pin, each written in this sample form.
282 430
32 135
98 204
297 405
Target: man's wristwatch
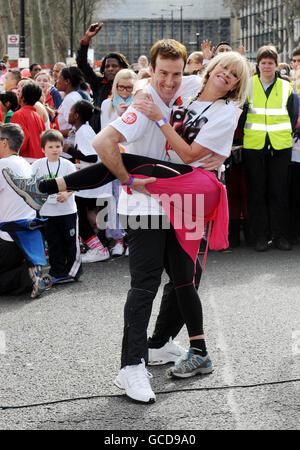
129 181
161 122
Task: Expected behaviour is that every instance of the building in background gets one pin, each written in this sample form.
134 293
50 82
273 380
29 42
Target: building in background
269 22
132 26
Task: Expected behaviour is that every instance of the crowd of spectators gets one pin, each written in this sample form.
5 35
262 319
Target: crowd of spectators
262 174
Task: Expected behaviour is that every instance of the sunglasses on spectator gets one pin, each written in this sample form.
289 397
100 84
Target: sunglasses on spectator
124 88
192 61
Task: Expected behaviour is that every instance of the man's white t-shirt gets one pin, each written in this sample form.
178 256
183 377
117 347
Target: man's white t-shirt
83 140
143 137
12 206
51 170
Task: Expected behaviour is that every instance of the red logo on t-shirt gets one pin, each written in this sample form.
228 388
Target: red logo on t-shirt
129 118
178 101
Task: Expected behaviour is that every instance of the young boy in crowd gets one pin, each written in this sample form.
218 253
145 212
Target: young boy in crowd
61 229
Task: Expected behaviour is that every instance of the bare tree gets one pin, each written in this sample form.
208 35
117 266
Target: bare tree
8 17
7 23
47 25
292 13
50 54
37 32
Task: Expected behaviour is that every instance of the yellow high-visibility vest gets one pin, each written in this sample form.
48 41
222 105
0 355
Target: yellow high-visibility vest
268 115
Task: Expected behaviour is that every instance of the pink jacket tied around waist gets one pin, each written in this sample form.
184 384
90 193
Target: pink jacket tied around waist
191 201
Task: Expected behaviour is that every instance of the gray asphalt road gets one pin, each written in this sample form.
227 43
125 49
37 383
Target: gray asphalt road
59 354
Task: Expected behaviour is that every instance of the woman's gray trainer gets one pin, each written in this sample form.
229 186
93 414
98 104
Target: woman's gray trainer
190 365
27 188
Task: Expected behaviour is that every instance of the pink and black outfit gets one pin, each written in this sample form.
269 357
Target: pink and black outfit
190 181
157 244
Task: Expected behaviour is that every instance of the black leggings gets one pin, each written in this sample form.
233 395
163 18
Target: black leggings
98 175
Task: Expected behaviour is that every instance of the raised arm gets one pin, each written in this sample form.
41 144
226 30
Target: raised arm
82 60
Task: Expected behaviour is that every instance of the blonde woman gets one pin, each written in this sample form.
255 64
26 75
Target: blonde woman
121 96
43 79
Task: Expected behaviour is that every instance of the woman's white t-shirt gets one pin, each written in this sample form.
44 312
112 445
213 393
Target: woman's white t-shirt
51 170
212 125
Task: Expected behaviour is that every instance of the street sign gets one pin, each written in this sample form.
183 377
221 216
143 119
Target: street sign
13 46
13 39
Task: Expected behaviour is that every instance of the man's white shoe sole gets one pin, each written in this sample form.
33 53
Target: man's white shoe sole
161 361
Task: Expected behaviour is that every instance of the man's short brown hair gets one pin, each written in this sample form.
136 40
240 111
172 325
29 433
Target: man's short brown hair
267 51
167 49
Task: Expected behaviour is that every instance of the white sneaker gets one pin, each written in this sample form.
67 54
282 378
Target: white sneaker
95 255
127 251
135 381
117 250
170 352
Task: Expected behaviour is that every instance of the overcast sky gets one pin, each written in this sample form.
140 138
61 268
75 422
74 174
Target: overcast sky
138 9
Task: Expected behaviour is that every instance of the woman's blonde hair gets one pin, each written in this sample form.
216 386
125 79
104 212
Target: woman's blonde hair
125 74
241 66
42 99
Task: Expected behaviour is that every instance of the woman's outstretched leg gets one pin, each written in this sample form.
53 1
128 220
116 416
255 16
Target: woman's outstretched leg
98 175
35 191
